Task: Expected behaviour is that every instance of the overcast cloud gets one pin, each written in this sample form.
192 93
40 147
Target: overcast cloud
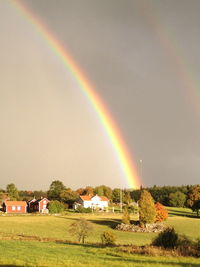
143 59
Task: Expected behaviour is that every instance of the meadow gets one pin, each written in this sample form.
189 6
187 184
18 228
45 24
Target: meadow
45 241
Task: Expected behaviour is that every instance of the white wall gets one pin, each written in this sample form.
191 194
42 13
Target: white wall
96 203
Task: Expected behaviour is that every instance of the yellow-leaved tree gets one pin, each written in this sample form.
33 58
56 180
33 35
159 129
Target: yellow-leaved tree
147 211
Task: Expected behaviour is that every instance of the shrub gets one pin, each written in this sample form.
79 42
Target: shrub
126 217
197 244
167 239
108 238
81 209
185 246
147 211
161 212
55 207
148 250
81 229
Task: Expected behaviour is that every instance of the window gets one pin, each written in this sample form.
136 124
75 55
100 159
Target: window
18 208
13 207
44 202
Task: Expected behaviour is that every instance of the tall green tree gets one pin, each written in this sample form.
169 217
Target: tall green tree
89 190
147 210
12 191
80 191
196 207
193 200
177 199
3 197
55 190
108 192
99 190
68 196
103 190
116 195
55 206
127 197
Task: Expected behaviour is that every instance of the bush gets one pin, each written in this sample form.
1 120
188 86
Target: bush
167 239
108 238
185 246
55 207
161 212
81 209
197 245
126 217
148 250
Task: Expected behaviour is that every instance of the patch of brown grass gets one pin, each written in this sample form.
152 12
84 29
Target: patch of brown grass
159 251
148 250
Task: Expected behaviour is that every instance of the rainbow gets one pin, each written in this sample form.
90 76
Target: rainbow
173 51
104 115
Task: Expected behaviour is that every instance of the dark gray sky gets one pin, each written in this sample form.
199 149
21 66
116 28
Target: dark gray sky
142 57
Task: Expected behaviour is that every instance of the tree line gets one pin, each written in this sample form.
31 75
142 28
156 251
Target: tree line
175 196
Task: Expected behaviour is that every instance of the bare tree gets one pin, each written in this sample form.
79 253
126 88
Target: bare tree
81 229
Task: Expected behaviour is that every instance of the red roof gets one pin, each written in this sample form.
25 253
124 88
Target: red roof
16 203
104 198
88 198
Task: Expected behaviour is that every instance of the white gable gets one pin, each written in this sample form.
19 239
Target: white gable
96 199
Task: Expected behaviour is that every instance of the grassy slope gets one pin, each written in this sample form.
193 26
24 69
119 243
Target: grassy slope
29 253
50 254
184 221
57 227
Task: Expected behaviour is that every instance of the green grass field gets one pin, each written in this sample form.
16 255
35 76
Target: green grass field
21 253
35 253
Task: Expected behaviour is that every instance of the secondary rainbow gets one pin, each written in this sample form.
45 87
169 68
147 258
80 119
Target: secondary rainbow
172 49
104 115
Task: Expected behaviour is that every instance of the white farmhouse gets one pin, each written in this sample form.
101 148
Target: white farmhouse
93 202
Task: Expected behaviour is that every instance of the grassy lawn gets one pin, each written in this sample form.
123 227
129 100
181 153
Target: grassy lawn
183 212
57 227
184 221
35 253
29 253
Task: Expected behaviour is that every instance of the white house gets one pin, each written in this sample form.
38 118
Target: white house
93 202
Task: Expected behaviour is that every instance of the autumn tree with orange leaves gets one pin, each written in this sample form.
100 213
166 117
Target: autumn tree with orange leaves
161 212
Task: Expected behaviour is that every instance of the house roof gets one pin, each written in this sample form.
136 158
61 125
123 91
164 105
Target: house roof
41 199
89 197
86 198
15 203
38 200
104 198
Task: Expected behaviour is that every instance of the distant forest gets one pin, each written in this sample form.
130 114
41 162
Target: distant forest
176 196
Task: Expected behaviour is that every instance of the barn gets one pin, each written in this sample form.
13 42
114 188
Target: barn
14 206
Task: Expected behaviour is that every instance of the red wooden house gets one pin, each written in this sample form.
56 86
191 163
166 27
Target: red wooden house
38 205
14 206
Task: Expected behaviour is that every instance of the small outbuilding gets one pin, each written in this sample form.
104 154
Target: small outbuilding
14 206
